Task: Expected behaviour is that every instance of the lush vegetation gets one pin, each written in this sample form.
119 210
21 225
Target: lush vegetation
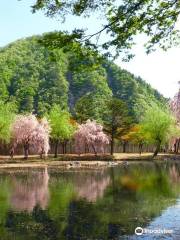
56 84
122 20
62 127
159 127
35 78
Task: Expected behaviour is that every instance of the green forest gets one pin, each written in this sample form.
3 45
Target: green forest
34 78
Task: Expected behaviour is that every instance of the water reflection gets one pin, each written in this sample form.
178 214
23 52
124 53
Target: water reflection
93 185
106 204
29 192
174 174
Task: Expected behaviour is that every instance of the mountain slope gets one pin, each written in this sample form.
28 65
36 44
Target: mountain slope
35 78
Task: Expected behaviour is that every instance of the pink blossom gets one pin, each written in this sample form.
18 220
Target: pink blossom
90 137
28 131
175 106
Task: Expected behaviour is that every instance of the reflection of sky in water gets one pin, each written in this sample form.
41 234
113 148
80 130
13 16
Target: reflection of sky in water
169 220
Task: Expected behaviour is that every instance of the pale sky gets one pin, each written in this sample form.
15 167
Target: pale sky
160 69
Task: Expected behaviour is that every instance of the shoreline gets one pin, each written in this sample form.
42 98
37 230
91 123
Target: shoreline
72 161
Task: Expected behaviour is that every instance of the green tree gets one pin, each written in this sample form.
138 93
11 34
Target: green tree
62 127
91 106
124 85
116 120
123 20
136 135
159 126
7 114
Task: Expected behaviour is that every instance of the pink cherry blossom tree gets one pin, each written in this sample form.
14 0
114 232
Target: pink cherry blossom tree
90 138
175 106
29 132
40 137
174 144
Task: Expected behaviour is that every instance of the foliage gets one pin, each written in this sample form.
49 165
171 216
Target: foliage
31 78
35 78
63 127
90 136
117 120
91 106
136 135
61 124
7 114
123 21
159 126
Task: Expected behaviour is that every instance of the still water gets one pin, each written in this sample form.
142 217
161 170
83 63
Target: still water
49 204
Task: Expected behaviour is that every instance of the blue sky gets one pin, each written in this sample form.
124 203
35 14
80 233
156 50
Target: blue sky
17 21
160 69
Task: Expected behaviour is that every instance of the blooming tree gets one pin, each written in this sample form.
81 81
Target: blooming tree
28 131
175 109
90 137
40 137
175 106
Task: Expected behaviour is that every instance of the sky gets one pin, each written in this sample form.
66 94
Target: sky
160 69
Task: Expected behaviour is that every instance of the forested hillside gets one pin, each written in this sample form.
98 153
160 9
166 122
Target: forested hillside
36 78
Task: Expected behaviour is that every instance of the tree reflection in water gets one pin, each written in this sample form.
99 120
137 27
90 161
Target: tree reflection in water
30 192
174 174
105 204
92 187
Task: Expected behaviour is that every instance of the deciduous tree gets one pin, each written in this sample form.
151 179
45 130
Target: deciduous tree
159 126
7 115
62 127
28 131
117 120
90 136
137 136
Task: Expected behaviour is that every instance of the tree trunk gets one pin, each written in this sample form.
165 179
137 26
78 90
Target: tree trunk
41 155
26 150
177 146
56 148
140 148
94 149
11 153
112 144
157 149
86 148
65 147
124 147
70 147
62 144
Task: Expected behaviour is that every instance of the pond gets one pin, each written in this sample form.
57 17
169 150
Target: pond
49 204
